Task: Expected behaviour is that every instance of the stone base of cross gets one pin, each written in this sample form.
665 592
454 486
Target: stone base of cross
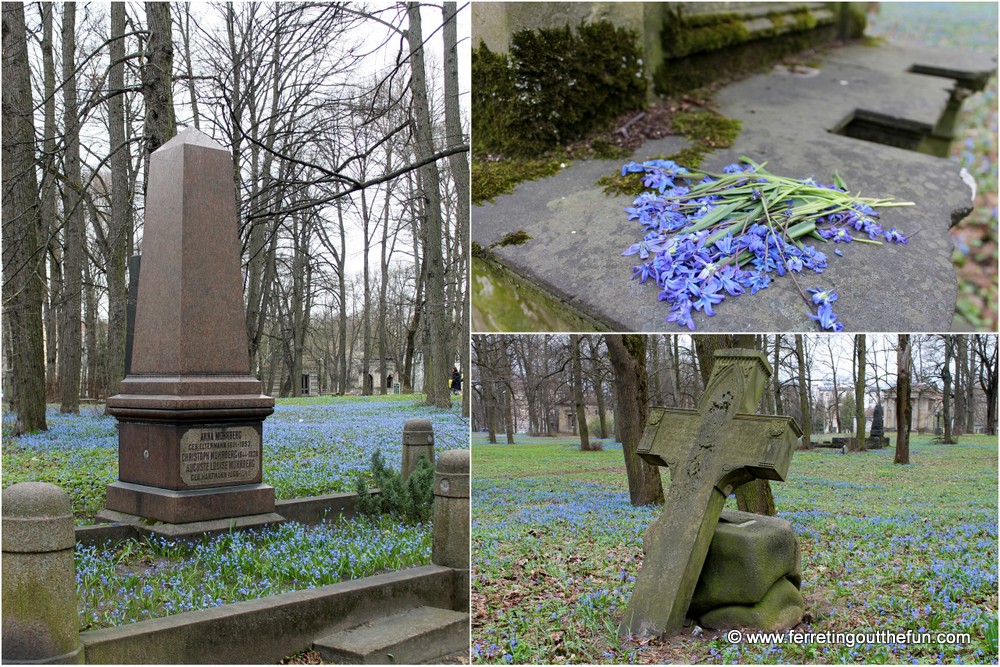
710 452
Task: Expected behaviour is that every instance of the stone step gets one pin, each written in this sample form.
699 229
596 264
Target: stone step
415 636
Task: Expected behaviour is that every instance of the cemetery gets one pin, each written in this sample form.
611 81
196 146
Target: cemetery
579 556
181 514
796 87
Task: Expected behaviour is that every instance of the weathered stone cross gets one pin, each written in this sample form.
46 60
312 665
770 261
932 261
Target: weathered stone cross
710 452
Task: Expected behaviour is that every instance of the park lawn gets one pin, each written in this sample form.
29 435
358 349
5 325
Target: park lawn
311 446
557 546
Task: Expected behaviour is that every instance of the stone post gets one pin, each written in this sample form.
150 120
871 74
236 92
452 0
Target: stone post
40 618
451 510
418 440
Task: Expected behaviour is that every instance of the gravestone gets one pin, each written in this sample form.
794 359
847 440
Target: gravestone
190 414
877 439
710 451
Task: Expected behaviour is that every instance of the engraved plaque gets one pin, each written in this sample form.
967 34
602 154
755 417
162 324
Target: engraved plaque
220 455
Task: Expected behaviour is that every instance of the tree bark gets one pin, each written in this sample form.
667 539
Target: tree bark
804 404
431 191
631 387
904 410
50 223
23 268
460 173
946 397
860 345
157 78
961 362
581 411
74 233
120 221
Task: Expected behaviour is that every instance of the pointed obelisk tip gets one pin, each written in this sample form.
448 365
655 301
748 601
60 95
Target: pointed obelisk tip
190 137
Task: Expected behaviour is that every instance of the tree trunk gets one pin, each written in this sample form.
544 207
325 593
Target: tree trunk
655 394
775 380
460 173
431 190
628 361
970 403
904 411
342 370
157 78
74 233
23 267
581 411
50 223
961 362
946 397
988 377
804 406
120 221
859 392
366 319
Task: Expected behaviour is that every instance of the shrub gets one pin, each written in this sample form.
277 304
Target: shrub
411 500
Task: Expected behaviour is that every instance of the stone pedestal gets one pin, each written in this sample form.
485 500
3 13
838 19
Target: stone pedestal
40 620
418 440
189 413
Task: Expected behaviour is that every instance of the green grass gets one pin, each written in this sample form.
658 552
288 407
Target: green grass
556 547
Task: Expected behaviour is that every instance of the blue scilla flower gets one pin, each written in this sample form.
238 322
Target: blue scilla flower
821 296
827 318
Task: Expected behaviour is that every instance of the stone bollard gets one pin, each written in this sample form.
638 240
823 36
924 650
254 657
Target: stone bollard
40 617
418 440
451 510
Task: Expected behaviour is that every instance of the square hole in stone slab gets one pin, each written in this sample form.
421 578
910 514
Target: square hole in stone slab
882 129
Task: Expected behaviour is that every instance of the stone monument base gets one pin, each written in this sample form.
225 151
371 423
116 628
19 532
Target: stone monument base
192 529
186 506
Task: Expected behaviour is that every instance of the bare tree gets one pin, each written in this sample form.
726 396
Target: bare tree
904 410
23 268
805 405
437 394
628 359
581 412
985 347
859 392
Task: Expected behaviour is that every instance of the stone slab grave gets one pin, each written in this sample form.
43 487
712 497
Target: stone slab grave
792 122
190 415
710 452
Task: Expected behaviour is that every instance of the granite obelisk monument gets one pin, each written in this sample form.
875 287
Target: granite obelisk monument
189 412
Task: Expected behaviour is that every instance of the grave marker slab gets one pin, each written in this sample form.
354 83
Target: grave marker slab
710 451
189 413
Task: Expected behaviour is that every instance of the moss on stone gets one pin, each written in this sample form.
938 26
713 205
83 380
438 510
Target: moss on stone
707 131
680 75
491 179
520 237
616 184
682 36
710 130
556 86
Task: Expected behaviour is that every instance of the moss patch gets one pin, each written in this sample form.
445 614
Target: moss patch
520 237
735 61
491 179
555 87
707 131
